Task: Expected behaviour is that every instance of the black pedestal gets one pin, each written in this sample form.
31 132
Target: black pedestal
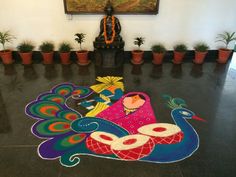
109 58
109 55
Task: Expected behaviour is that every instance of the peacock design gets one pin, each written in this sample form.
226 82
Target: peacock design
188 144
102 121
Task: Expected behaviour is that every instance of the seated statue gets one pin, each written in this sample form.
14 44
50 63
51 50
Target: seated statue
110 27
109 46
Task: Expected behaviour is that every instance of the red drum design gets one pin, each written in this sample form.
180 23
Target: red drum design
100 142
132 147
163 133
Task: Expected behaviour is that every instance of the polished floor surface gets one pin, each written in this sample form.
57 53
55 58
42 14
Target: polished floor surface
209 90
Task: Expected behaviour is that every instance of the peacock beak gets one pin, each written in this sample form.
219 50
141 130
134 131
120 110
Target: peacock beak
198 118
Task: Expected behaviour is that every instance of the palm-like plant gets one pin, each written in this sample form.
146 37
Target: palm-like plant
138 41
80 37
226 38
5 37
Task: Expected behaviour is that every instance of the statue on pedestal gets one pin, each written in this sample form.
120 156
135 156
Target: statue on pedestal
109 46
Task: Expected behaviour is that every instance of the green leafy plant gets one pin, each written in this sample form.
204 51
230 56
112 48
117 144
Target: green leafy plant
25 47
201 47
180 48
5 37
226 38
65 47
46 47
139 41
158 48
80 38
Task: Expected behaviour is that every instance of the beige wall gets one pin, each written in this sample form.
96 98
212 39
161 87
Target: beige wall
186 21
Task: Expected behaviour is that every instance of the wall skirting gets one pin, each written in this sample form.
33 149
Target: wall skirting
37 57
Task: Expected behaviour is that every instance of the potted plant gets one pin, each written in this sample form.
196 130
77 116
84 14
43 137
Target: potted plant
179 53
47 49
158 52
224 52
64 51
6 54
201 50
137 55
82 55
25 50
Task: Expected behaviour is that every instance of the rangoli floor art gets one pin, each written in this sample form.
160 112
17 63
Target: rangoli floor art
104 122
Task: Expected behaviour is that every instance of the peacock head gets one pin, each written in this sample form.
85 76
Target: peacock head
185 114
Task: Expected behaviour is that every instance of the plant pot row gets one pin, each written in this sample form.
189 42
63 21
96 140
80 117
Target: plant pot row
201 49
25 49
223 56
82 57
137 57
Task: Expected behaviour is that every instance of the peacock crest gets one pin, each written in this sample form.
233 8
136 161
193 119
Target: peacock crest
174 103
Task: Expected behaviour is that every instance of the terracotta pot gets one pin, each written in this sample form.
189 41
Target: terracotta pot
224 55
47 58
137 57
82 57
178 57
157 58
199 57
6 56
26 58
65 58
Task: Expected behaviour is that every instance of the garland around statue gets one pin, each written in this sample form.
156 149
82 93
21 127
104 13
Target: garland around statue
113 30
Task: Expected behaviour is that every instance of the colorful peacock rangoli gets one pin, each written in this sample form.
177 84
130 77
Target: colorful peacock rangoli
104 122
